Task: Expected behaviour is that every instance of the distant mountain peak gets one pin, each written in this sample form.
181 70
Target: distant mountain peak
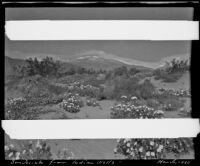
99 56
94 54
92 58
104 56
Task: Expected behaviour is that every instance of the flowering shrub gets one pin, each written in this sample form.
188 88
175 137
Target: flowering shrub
179 93
72 103
152 148
36 150
65 154
28 107
168 102
29 151
131 110
172 70
89 90
15 108
128 98
11 152
179 146
43 99
172 103
83 90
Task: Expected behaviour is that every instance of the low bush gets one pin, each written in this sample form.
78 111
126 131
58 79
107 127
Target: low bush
93 103
172 77
132 87
180 93
131 110
34 150
152 103
169 103
55 89
15 108
145 90
72 103
173 72
152 148
29 107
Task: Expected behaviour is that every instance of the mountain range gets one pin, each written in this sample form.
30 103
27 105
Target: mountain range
89 59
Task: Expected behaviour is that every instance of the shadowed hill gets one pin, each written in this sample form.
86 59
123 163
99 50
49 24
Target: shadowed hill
10 64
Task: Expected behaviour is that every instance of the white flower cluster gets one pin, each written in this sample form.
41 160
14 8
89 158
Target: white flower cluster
140 148
11 153
125 98
15 107
159 112
82 87
28 150
35 150
84 90
79 85
72 103
66 154
14 101
170 91
129 110
152 148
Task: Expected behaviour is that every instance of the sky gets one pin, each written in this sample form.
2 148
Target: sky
78 13
152 51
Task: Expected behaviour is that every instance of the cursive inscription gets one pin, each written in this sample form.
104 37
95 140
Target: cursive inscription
175 162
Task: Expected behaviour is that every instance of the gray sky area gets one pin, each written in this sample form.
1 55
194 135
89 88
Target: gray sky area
139 13
152 51
140 50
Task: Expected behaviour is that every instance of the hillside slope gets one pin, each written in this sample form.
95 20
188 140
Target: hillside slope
10 63
183 82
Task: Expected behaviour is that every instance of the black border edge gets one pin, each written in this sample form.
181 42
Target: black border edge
195 45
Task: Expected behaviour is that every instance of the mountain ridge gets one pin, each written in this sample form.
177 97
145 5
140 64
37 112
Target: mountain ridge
90 59
97 53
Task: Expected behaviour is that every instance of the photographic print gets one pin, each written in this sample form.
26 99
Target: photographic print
97 79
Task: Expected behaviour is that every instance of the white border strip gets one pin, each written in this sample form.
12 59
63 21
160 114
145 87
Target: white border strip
101 129
102 30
